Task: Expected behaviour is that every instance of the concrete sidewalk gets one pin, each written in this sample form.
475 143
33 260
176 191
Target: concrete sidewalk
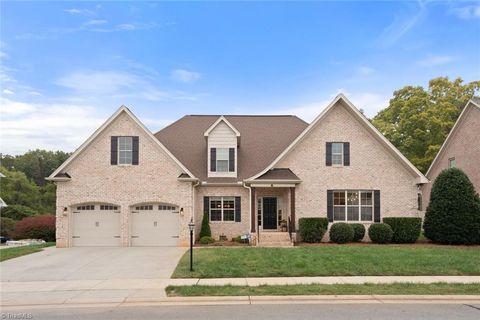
17 293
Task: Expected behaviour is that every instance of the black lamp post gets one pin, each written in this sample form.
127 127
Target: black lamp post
191 226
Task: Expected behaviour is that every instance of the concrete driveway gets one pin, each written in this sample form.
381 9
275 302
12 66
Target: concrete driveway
88 275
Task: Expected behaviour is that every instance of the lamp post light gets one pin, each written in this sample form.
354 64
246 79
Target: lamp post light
191 226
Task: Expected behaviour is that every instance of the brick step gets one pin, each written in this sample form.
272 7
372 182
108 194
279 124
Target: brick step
274 239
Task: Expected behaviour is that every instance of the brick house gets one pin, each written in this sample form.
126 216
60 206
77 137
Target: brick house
252 175
460 149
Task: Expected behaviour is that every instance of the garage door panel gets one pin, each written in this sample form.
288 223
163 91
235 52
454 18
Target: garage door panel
154 227
96 228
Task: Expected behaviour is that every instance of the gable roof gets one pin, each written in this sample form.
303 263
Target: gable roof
472 103
221 119
59 175
341 98
263 139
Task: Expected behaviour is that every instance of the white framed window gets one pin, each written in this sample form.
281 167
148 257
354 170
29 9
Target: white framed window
86 207
125 150
452 163
222 159
108 207
222 208
353 205
337 153
144 207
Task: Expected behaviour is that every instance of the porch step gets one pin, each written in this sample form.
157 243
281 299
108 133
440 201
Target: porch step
274 239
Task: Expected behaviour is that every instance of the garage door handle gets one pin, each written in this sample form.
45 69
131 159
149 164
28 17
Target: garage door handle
175 236
134 236
75 237
116 236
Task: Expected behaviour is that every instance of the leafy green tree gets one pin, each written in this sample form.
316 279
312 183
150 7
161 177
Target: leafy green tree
17 189
418 120
36 164
453 214
17 212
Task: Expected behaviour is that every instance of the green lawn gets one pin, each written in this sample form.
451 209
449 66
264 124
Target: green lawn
14 252
341 260
326 289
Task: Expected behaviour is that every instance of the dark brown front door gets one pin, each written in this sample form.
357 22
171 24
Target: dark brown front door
269 213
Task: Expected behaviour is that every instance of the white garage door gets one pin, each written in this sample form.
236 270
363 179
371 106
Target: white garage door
154 225
96 225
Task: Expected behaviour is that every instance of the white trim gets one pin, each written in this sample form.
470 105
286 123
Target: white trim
221 118
100 130
361 117
451 133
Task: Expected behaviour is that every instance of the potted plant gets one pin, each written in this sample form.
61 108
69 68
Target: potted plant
283 225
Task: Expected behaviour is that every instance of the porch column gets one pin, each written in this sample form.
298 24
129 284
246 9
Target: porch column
252 211
292 208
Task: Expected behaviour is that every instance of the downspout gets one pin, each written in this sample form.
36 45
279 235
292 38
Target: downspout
194 185
250 208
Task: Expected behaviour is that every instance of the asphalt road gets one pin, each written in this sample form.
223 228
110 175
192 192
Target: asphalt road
259 312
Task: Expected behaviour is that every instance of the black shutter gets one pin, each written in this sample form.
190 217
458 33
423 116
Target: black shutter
114 150
135 150
206 204
213 159
330 205
346 153
376 206
238 210
231 159
328 159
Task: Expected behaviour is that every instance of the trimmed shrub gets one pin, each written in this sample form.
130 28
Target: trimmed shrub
205 231
453 214
6 226
341 232
405 229
17 212
38 227
312 229
358 231
206 240
380 233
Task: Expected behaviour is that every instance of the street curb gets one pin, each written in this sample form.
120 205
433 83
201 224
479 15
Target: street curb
246 300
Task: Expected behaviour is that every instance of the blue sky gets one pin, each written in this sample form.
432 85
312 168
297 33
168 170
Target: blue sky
66 66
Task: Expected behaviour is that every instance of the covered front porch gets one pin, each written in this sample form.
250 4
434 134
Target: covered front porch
273 207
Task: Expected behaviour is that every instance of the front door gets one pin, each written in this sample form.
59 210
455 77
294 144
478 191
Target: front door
269 213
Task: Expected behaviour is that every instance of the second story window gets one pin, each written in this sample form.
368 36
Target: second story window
337 153
125 150
222 159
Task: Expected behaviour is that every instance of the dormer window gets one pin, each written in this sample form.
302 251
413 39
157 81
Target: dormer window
223 143
222 159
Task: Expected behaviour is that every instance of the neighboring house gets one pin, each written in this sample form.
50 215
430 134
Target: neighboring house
127 187
461 149
2 203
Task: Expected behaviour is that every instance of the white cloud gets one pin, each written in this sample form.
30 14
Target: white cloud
10 107
435 61
44 126
115 84
95 22
126 26
184 76
370 103
7 91
467 12
402 23
366 70
83 12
